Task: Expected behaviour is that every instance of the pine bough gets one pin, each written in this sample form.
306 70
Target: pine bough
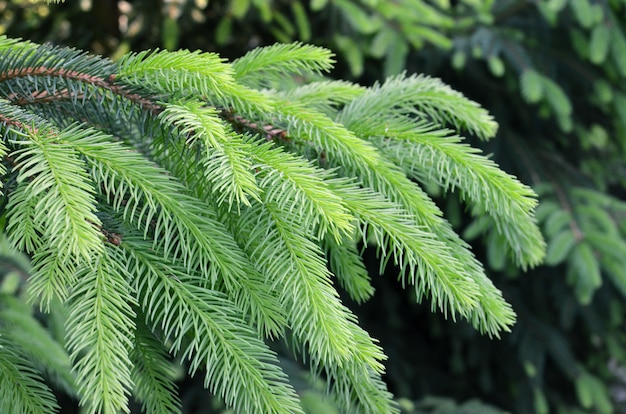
177 205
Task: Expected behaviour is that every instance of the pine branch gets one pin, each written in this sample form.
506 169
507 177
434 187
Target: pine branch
427 98
321 326
223 154
237 365
100 334
324 96
347 265
170 185
53 66
281 61
355 157
202 74
21 387
26 225
317 317
359 388
428 154
291 182
20 327
424 261
153 374
179 224
55 171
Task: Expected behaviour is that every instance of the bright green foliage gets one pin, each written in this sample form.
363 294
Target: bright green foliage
178 206
100 333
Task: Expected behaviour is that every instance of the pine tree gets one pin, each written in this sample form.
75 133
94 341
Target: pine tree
175 205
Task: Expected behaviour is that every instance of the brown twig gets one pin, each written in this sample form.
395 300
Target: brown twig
113 238
271 132
11 122
97 81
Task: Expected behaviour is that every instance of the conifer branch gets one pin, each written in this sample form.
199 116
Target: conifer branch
173 206
21 387
86 78
153 374
20 326
218 335
347 265
100 334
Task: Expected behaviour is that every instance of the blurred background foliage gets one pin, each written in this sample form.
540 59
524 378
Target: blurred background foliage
553 73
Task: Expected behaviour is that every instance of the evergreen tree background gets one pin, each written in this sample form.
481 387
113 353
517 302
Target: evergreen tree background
552 74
